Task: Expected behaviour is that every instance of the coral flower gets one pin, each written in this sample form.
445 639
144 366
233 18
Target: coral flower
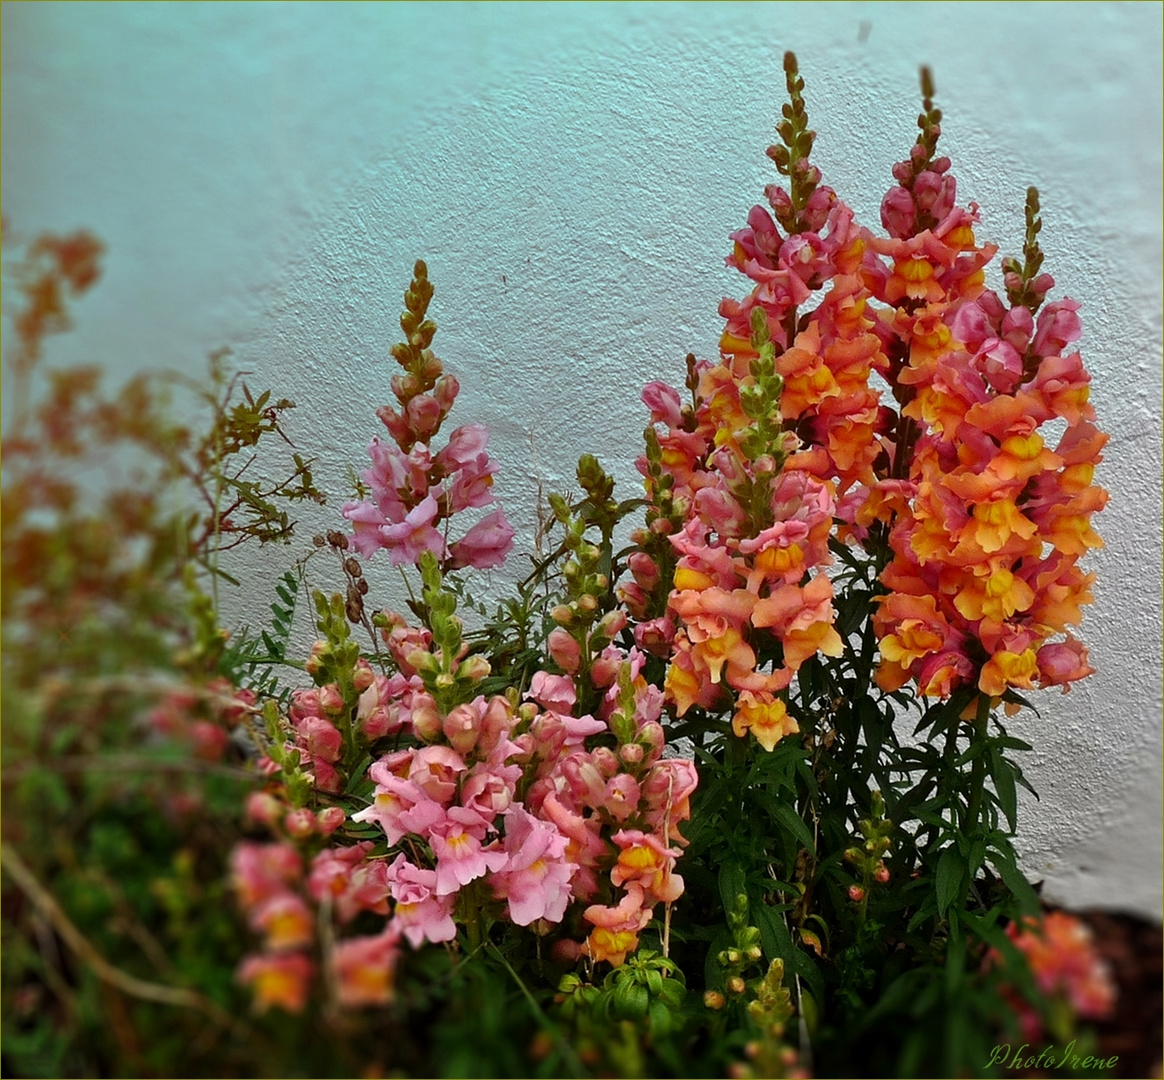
281 981
765 716
364 969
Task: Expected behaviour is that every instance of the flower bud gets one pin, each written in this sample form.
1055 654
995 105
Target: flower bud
856 893
631 753
363 677
612 623
299 823
881 874
315 660
426 721
564 650
474 667
331 700
713 999
587 603
329 819
736 985
562 614
460 728
263 808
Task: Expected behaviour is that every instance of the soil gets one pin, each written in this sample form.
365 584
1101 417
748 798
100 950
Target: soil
1134 1033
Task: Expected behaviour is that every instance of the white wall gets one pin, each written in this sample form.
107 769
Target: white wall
264 176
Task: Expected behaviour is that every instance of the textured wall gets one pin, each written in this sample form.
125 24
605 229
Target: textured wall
264 176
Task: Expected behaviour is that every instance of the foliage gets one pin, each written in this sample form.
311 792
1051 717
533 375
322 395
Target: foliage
483 852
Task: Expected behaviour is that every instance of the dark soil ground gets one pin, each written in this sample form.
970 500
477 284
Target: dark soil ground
1135 1031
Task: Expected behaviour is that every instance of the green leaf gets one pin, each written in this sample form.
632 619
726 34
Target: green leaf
1003 862
951 872
1003 776
733 882
792 821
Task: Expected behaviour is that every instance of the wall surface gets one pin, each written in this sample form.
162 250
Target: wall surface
265 175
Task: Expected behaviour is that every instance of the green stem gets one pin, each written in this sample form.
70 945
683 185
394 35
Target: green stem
564 1048
978 771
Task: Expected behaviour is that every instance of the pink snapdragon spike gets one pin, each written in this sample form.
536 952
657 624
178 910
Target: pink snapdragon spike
415 493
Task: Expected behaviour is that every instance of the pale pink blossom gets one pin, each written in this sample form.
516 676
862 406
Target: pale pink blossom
553 692
536 879
419 912
456 842
465 446
486 544
320 738
414 535
259 871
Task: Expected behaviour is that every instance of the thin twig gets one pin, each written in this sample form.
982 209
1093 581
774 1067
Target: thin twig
81 763
47 905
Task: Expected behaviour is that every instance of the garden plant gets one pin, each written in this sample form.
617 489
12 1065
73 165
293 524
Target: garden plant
724 787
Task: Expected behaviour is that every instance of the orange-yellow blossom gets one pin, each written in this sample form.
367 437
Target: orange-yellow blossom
765 716
997 594
1005 669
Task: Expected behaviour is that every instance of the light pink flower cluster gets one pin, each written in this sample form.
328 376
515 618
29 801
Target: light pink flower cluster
529 810
516 810
415 492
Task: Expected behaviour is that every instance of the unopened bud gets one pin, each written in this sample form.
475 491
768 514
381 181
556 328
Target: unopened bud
363 677
474 667
563 614
426 721
736 985
299 823
329 819
631 753
263 808
331 700
881 874
713 999
856 893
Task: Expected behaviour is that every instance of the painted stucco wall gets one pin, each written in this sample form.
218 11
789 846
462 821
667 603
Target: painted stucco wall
265 175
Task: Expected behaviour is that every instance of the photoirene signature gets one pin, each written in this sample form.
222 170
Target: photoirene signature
1050 1058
